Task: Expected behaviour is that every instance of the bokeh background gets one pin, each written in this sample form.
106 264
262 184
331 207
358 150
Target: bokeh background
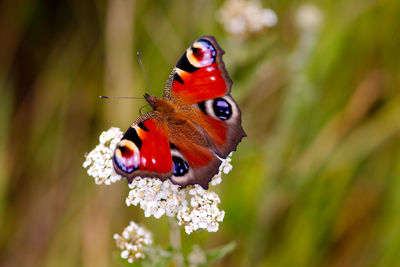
315 183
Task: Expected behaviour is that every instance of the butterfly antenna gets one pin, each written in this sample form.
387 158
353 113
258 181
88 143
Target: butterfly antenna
120 97
141 64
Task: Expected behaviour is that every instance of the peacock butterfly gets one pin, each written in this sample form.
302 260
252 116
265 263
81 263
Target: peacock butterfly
191 128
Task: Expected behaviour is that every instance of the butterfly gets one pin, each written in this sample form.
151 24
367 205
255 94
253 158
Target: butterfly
195 125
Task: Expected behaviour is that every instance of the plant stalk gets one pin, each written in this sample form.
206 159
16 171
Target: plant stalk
175 239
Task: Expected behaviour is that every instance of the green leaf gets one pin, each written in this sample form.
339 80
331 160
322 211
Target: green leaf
160 257
217 254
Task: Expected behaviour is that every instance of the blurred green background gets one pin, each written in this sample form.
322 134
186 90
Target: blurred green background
315 183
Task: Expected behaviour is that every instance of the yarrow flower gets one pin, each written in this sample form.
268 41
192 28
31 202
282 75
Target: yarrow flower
156 197
242 18
99 161
204 213
132 241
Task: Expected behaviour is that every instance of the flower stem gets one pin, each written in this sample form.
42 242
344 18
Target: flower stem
175 239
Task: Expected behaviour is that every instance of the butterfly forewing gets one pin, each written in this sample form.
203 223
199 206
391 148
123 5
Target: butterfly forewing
144 150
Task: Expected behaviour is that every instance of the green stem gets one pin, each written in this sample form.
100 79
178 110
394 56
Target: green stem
175 239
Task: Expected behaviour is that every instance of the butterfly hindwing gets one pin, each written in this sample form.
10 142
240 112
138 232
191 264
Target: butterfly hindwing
193 164
221 120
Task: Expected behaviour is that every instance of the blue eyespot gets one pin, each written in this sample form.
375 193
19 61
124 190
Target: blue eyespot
180 166
222 109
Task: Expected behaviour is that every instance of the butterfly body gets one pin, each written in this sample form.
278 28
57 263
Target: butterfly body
190 129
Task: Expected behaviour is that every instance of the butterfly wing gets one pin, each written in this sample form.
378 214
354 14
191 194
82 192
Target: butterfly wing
144 150
200 74
200 80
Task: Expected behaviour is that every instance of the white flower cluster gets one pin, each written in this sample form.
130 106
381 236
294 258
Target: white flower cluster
204 213
242 18
132 241
99 160
156 197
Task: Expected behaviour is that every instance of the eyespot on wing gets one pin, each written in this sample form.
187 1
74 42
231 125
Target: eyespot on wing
127 156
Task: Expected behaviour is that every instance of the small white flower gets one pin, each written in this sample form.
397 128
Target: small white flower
124 254
308 17
242 18
99 161
268 17
131 242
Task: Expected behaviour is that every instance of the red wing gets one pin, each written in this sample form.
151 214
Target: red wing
144 150
201 81
199 75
